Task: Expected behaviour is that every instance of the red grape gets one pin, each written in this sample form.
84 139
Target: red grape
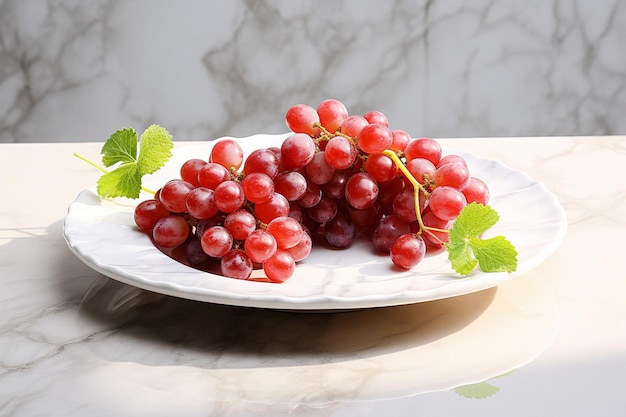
190 169
446 202
170 231
361 190
148 212
216 241
229 196
423 148
280 266
228 153
236 264
260 245
407 251
173 195
374 138
303 118
297 150
332 113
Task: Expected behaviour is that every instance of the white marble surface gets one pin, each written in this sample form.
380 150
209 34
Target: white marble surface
74 343
77 71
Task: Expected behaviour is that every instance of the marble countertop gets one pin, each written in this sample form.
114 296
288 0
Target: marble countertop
76 343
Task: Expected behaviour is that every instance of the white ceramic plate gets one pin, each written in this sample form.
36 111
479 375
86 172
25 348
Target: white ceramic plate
103 235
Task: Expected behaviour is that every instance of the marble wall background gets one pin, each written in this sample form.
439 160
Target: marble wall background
77 70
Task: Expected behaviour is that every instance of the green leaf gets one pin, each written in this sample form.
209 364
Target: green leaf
155 148
120 147
125 181
466 248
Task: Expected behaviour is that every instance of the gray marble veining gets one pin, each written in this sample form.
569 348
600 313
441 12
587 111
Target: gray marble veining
77 71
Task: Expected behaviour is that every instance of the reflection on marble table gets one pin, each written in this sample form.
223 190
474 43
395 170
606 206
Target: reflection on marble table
77 71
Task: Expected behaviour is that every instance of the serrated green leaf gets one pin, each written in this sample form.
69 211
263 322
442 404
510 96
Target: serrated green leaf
120 147
474 220
466 249
494 255
155 148
461 256
124 181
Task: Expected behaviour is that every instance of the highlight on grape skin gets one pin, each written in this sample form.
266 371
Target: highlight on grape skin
336 178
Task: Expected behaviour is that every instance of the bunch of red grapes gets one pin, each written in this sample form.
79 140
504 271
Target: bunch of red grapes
337 177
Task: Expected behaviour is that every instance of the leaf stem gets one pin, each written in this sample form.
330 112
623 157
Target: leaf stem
106 171
90 162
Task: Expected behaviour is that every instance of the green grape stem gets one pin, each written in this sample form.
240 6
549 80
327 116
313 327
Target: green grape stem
106 171
417 187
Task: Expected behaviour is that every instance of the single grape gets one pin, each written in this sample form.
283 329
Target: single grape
476 191
400 139
216 241
257 187
361 190
407 251
352 125
374 138
340 153
339 232
228 153
211 175
426 148
260 245
200 203
291 184
381 167
297 150
446 202
302 118
190 169
261 160
173 195
276 206
148 213
280 266
240 223
236 264
376 117
452 174
422 170
171 231
229 196
332 113
286 230
319 171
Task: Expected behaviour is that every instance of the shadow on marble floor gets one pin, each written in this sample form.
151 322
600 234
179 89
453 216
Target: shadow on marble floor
221 336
